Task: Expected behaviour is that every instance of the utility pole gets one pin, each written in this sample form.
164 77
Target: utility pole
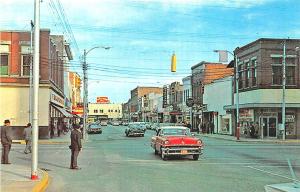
30 72
237 98
85 94
283 88
36 72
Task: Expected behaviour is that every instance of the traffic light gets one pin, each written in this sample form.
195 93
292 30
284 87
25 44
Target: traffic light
173 63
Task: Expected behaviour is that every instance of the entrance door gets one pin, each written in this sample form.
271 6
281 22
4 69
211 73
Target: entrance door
269 126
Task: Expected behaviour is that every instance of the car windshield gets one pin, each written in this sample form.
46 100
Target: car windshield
176 131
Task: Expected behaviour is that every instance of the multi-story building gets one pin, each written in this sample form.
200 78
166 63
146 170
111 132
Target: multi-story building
125 110
202 74
16 59
99 111
187 93
137 100
175 102
260 66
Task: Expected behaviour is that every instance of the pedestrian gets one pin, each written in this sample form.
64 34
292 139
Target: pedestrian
199 127
58 128
51 129
207 127
6 141
212 127
28 136
256 128
75 146
252 131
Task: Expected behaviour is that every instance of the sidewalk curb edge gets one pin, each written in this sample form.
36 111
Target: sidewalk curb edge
43 183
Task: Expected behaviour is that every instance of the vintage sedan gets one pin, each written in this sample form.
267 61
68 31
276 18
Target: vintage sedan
94 128
176 141
134 130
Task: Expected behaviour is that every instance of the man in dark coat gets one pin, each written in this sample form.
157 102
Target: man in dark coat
75 146
6 141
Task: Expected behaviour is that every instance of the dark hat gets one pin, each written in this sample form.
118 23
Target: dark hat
28 125
6 121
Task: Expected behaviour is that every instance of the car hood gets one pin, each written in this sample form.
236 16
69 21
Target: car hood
182 140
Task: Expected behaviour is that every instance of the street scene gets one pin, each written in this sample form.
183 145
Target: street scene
150 95
113 162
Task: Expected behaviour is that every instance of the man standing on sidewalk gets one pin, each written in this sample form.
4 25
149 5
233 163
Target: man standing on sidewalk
28 134
75 146
6 141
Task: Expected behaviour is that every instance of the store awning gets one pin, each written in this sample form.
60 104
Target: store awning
262 105
63 111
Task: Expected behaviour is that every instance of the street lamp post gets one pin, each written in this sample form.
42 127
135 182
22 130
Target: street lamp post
237 91
85 88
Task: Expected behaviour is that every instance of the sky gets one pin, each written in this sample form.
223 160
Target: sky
143 35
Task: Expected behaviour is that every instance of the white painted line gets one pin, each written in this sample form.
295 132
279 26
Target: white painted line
271 173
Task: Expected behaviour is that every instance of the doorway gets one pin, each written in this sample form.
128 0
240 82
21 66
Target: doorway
269 125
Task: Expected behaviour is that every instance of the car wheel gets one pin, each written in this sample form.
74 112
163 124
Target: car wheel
143 135
126 134
196 157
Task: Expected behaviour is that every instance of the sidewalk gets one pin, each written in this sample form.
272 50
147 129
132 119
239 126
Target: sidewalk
63 139
16 178
243 139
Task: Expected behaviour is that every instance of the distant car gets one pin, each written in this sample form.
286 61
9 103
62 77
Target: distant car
176 141
125 123
94 128
134 130
115 123
103 123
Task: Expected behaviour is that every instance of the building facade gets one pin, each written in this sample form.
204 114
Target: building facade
187 93
98 111
260 65
204 73
16 58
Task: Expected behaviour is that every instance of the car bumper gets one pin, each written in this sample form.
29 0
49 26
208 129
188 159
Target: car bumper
182 151
141 133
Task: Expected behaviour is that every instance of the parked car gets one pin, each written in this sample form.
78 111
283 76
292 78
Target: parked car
94 128
115 123
125 123
134 130
103 123
176 141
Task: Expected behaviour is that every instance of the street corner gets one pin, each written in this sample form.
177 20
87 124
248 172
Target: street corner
43 183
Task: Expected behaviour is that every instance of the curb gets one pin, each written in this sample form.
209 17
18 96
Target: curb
22 142
255 141
43 183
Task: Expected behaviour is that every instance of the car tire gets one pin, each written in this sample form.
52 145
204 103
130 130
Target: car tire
196 157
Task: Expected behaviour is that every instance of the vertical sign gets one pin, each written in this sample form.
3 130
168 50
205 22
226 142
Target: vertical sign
165 96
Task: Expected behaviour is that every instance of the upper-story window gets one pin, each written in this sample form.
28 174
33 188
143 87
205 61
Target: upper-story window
25 62
246 72
95 110
277 70
241 76
254 71
4 54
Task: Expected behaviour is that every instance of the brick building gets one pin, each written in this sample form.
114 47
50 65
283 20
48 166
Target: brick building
16 57
260 87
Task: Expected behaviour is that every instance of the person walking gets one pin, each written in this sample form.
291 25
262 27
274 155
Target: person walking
51 129
75 146
6 140
28 136
212 127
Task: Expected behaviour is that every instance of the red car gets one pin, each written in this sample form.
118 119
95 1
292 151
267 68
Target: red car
176 141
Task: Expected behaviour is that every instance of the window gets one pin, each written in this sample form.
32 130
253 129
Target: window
247 74
276 75
277 60
4 64
95 111
116 111
254 71
240 71
290 75
25 61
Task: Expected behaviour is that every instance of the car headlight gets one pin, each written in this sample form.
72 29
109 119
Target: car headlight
199 142
166 142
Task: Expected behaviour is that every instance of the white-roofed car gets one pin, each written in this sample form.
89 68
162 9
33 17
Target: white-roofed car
176 141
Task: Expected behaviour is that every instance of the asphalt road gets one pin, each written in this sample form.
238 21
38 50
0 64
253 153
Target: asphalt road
112 162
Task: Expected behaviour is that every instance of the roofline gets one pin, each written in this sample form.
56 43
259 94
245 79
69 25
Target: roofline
22 31
263 39
206 63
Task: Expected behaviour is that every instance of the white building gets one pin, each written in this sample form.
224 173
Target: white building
217 95
99 111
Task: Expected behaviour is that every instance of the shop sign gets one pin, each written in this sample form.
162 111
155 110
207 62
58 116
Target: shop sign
290 118
56 99
246 115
